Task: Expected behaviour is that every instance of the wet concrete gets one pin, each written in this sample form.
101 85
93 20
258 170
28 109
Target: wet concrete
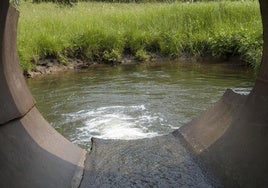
151 162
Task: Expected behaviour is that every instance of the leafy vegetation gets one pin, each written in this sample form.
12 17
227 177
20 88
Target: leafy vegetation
106 32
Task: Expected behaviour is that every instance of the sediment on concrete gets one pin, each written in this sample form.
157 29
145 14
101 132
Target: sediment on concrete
152 162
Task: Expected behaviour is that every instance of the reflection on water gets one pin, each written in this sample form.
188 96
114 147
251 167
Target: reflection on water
132 101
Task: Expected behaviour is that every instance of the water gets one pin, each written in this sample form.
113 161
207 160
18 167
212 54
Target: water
132 101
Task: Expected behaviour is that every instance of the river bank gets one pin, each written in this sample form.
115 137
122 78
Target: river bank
53 66
109 32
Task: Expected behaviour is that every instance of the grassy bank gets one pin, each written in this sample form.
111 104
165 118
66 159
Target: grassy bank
106 32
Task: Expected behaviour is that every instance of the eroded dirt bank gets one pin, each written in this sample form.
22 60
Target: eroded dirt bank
51 66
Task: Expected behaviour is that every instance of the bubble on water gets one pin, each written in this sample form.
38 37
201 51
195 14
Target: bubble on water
242 91
115 122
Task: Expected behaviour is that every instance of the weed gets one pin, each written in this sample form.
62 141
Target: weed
105 31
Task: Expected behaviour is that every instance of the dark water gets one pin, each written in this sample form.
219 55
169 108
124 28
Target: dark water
133 101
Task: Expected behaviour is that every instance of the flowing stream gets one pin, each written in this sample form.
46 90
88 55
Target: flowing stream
133 101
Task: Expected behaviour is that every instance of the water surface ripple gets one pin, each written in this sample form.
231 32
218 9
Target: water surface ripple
132 101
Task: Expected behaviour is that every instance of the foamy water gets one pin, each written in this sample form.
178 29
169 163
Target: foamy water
132 101
115 122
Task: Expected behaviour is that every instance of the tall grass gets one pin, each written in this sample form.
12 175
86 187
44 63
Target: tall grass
70 2
107 31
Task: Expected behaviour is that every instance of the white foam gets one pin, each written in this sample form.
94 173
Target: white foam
242 91
114 122
115 127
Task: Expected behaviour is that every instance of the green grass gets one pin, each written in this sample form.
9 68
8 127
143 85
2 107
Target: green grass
105 32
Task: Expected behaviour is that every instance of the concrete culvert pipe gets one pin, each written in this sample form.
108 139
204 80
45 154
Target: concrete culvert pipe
230 139
32 153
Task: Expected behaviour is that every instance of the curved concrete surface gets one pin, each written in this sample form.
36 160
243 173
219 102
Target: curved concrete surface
16 100
32 153
230 139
